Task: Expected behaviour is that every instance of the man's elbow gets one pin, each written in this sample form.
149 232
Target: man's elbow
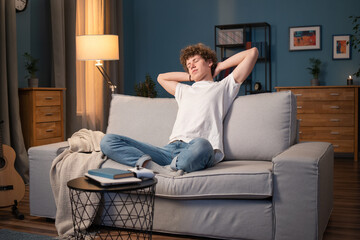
254 52
160 78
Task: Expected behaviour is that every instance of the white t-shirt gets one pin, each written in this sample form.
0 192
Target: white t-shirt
202 109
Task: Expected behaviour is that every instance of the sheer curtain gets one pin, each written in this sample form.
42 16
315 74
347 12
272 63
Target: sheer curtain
9 107
87 96
90 85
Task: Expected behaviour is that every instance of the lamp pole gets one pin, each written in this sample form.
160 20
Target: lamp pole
101 69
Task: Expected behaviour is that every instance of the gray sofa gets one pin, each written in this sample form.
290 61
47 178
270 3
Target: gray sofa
268 187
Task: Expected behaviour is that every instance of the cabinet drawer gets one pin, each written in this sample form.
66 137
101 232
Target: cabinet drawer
48 130
343 145
47 98
331 94
38 142
48 114
326 133
325 107
326 120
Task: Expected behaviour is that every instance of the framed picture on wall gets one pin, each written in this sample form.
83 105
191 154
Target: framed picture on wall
305 38
341 47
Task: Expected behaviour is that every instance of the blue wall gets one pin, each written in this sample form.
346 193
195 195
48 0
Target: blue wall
34 36
155 31
23 42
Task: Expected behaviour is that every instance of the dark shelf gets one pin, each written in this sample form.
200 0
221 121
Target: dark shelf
234 26
257 92
262 59
243 37
230 45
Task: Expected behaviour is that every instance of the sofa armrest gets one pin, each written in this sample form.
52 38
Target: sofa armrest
303 190
42 202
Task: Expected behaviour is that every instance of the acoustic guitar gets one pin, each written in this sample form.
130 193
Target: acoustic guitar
12 187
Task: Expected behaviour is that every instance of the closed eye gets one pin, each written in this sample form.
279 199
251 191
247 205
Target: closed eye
195 60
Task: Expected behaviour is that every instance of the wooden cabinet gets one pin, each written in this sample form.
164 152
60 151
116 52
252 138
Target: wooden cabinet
329 114
41 112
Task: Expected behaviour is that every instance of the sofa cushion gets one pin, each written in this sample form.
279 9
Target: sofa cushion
148 120
260 126
226 180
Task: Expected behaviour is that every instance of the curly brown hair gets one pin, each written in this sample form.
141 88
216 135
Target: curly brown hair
198 49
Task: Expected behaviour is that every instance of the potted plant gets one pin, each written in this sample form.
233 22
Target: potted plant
31 68
147 88
314 71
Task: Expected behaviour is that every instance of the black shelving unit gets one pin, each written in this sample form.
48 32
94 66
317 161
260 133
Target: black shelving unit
239 37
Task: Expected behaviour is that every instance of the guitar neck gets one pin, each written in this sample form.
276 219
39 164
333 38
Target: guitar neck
1 142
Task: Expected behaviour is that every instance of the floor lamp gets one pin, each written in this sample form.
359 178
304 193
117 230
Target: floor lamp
98 48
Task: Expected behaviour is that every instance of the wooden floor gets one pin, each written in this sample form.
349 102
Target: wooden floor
344 223
345 219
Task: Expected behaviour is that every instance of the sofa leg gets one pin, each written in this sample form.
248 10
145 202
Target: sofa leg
50 220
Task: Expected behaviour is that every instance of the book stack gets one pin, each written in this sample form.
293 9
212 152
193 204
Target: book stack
111 173
112 176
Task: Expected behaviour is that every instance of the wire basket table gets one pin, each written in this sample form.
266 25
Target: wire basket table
116 212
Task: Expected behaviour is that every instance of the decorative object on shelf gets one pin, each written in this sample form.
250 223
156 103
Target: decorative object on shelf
341 47
257 87
147 88
355 38
349 80
20 5
98 47
314 71
230 36
31 68
305 38
239 37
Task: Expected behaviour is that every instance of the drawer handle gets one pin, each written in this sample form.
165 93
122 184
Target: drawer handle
335 133
334 120
334 107
300 132
299 107
298 94
49 114
336 146
334 94
49 130
300 119
49 98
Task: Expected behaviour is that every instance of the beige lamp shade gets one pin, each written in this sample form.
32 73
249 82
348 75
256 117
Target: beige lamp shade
97 47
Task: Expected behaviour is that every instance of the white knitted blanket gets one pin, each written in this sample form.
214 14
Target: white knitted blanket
83 154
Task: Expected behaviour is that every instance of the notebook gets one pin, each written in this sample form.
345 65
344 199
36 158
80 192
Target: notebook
112 173
109 182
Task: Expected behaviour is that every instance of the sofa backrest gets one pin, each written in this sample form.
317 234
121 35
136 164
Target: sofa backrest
257 127
148 120
260 126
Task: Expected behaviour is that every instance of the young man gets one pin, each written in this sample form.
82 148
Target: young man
196 141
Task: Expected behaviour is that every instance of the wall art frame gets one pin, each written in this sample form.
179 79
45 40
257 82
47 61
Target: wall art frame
341 47
305 38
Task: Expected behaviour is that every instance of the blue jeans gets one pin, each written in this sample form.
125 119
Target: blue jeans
195 155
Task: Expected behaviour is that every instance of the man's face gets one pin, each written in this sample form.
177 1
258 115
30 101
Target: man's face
198 68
